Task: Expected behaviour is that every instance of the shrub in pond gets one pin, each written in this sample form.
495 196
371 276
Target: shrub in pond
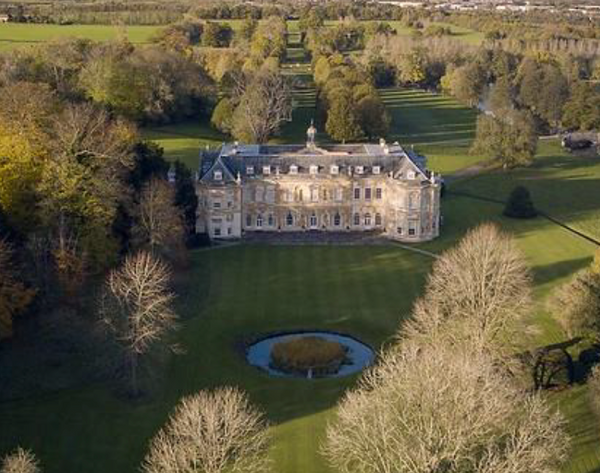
303 354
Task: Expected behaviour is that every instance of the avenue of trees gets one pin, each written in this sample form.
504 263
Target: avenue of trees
348 103
256 98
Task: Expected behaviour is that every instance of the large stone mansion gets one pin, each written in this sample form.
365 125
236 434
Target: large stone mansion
339 187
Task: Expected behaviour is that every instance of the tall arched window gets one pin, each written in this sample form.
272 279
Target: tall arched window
313 220
368 219
356 219
337 220
259 221
248 220
378 220
289 220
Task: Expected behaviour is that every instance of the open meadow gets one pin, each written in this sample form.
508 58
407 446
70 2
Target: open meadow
21 34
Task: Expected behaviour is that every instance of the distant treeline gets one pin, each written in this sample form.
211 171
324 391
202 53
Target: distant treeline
155 13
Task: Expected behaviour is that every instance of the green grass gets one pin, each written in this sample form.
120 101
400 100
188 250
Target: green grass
20 34
233 294
437 125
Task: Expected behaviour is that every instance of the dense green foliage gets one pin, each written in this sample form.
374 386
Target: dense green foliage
519 204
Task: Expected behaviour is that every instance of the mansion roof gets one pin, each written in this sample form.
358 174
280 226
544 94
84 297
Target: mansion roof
240 161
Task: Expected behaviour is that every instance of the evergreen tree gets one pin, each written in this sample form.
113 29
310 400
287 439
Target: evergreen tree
519 204
342 120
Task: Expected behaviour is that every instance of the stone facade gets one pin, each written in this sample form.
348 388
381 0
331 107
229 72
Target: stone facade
286 188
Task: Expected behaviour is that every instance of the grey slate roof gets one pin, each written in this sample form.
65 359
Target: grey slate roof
235 159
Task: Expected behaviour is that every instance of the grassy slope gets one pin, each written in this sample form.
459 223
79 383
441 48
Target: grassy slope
16 34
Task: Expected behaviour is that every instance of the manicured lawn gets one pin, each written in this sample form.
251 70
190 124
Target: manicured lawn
19 34
233 293
437 125
184 141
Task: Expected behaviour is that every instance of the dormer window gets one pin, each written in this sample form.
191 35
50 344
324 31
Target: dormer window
360 169
266 170
293 169
249 170
376 169
314 169
218 175
410 174
334 170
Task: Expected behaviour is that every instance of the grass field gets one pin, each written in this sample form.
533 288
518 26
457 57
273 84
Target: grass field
20 34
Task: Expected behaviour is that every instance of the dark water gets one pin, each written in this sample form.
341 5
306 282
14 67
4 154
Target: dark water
359 354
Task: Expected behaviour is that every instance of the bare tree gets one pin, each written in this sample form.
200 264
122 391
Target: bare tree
432 410
476 293
264 104
20 461
159 222
136 309
211 432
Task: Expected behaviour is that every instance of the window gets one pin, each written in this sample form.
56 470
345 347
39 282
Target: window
266 170
413 201
289 219
314 194
313 221
293 169
399 230
259 221
378 193
217 232
229 217
339 194
229 204
356 193
368 193
270 195
337 220
335 170
368 219
314 169
376 169
270 220
218 175
356 219
248 220
360 169
249 170
412 228
410 174
216 204
228 230
378 220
